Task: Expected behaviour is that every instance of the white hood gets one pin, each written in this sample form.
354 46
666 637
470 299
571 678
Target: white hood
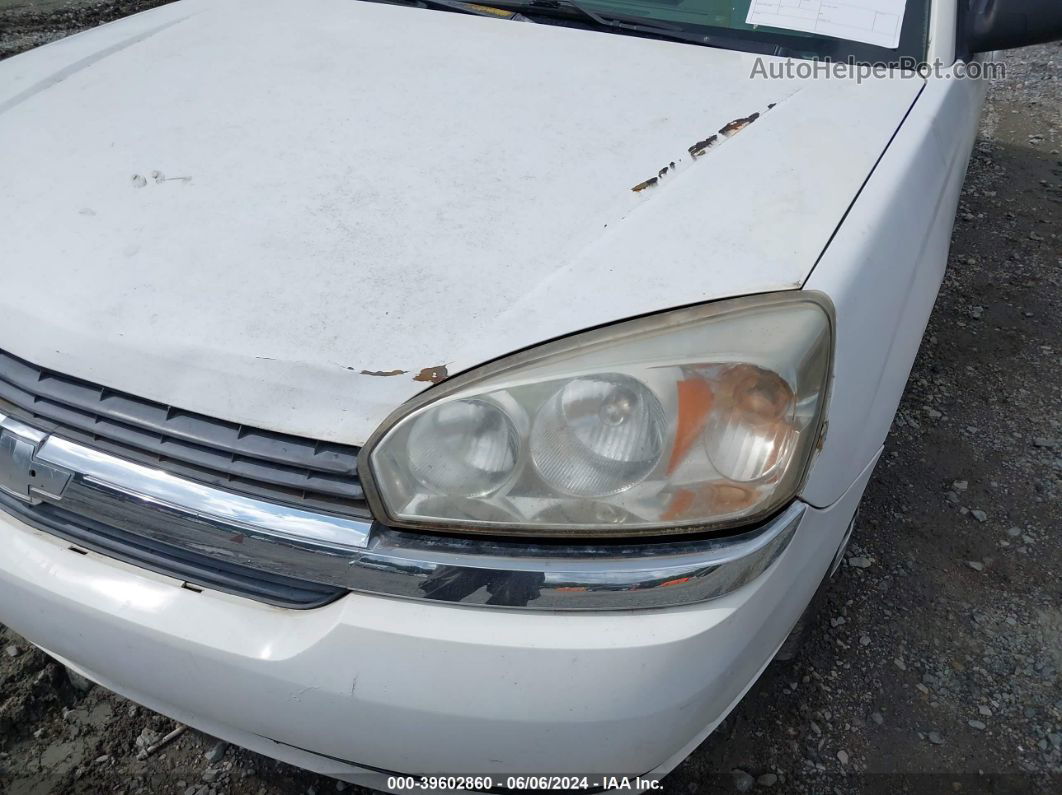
330 189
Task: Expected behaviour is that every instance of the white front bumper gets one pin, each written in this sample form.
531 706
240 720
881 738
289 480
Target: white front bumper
414 687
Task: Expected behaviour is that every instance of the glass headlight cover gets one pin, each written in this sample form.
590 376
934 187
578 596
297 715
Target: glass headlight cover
686 421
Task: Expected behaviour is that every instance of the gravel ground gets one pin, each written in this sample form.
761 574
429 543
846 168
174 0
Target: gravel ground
31 23
935 663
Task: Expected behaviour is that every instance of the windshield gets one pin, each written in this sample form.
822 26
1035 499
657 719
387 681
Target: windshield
861 31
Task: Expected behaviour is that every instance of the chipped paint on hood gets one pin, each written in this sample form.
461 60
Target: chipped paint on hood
362 191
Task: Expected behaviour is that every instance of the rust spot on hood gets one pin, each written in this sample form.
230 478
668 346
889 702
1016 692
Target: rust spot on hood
701 147
737 125
384 373
728 130
432 374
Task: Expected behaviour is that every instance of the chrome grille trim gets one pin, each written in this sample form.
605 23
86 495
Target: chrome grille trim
203 503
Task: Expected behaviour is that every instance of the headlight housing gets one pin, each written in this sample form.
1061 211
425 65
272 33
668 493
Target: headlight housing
685 421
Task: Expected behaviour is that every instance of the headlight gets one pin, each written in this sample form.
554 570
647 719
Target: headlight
690 420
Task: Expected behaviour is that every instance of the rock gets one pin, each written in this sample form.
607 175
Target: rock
900 664
341 786
837 622
960 485
101 759
864 640
980 516
210 775
1040 441
877 717
977 724
842 757
1013 532
216 752
78 682
858 562
935 738
983 710
767 780
951 497
12 651
742 781
147 738
975 565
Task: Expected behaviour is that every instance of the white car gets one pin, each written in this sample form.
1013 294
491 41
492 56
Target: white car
419 388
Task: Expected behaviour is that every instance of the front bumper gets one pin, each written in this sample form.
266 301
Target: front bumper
370 684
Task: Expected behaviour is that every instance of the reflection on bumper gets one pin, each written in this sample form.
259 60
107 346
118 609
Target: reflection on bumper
570 577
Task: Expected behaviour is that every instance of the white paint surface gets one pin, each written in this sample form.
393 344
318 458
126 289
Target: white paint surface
375 187
883 271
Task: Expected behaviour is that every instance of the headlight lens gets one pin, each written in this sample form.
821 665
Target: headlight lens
689 420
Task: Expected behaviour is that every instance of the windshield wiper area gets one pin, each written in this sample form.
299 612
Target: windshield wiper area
571 9
606 20
574 11
476 9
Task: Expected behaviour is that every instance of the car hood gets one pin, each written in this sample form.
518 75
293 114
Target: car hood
299 215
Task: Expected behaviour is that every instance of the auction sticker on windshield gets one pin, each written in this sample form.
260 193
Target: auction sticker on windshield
869 21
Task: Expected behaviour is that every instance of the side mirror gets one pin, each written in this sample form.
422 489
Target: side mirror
1004 24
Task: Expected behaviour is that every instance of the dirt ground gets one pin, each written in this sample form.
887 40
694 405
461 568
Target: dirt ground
935 663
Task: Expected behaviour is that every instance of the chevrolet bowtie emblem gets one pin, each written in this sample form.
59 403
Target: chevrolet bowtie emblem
22 474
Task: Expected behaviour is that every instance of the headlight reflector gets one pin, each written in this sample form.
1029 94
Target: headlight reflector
598 436
752 429
696 419
463 448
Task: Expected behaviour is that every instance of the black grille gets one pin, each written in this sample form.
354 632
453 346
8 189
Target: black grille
309 474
